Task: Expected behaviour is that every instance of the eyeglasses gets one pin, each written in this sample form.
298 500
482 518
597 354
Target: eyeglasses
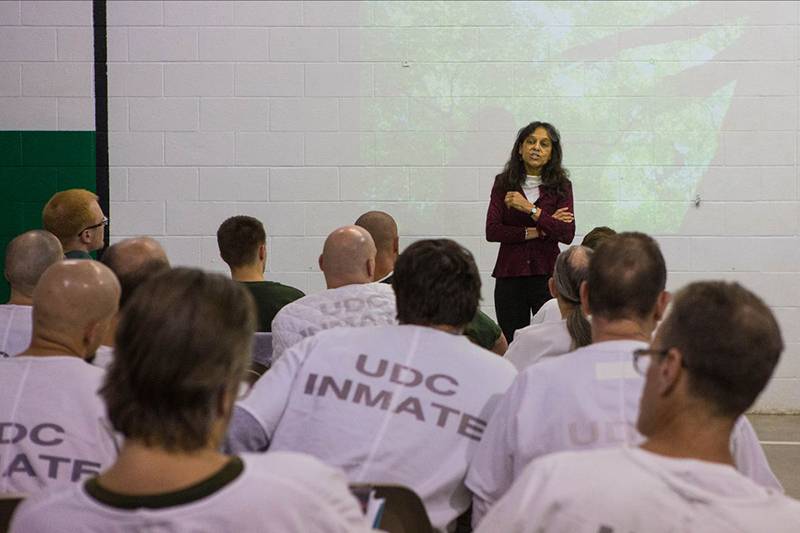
103 223
639 358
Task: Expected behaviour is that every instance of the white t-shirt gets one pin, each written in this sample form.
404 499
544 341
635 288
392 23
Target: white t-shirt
629 489
531 187
548 312
533 343
275 492
581 400
392 404
53 426
362 304
16 323
103 356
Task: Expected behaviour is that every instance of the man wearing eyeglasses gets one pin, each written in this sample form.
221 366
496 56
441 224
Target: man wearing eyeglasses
709 361
75 217
589 398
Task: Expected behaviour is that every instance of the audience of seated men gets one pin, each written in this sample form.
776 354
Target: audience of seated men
242 244
133 261
550 311
589 398
182 347
573 331
351 298
402 404
481 330
27 257
710 359
53 430
75 217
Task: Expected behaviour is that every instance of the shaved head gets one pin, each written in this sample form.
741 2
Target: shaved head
348 257
134 261
28 256
381 226
73 304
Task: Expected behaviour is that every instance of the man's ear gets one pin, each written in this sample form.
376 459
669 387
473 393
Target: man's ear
371 268
321 266
551 284
262 252
396 245
584 291
85 237
93 335
661 305
668 371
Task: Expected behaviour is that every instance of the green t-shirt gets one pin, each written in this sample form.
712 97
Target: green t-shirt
270 297
483 331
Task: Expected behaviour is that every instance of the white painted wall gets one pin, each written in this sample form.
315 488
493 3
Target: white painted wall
306 114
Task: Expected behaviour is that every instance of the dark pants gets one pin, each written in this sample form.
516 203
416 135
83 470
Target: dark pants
517 299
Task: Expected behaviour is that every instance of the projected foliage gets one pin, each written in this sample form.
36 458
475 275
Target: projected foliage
636 143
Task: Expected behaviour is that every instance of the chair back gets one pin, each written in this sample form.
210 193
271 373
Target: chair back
403 511
262 349
8 503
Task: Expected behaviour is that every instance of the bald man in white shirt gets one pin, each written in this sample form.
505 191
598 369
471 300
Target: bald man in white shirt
352 299
709 361
27 257
54 428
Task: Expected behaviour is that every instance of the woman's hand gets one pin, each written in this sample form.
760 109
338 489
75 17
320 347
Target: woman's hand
532 233
563 215
515 200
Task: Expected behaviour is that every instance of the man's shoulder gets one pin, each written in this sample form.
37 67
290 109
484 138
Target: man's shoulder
267 289
297 471
40 511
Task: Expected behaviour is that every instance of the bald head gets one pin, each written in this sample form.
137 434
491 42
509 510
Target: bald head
28 256
134 261
381 226
73 304
348 257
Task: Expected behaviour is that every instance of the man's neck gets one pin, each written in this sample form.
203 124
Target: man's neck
336 282
111 332
618 330
141 469
693 434
248 273
43 346
384 265
17 298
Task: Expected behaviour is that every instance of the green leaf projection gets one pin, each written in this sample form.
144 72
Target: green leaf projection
623 81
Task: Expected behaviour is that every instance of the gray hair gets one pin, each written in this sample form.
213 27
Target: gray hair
572 269
27 257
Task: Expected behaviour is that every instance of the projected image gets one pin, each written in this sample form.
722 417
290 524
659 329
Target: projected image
639 128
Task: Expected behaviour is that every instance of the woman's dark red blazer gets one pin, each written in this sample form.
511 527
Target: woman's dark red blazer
518 257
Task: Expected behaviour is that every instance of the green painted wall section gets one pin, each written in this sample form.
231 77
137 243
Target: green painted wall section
33 166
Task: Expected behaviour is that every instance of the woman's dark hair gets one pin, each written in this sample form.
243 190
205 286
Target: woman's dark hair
181 350
554 176
436 283
572 269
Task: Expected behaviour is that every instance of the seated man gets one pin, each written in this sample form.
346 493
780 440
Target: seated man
75 217
550 311
709 361
53 428
242 245
589 398
548 339
348 263
134 261
402 404
481 330
27 257
182 348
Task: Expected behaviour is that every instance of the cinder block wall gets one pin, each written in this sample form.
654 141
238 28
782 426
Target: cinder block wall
306 114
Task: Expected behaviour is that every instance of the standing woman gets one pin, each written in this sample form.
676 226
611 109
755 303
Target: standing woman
530 212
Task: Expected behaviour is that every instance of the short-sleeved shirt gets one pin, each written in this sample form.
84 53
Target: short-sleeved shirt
53 426
274 492
270 297
389 404
630 489
16 324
